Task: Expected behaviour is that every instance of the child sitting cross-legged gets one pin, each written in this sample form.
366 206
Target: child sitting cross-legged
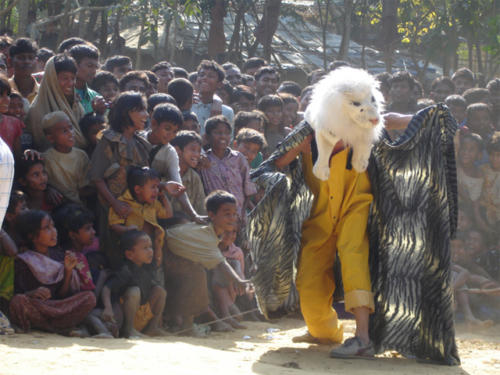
147 206
66 165
142 298
75 225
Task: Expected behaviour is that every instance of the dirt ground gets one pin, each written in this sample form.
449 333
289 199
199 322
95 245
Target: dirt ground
263 348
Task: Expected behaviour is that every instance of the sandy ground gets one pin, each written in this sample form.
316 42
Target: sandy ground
250 351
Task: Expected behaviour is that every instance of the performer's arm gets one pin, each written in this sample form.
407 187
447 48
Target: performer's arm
395 120
290 156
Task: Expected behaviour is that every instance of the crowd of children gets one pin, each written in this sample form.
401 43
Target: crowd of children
131 191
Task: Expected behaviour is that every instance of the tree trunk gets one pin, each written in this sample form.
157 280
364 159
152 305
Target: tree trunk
65 24
324 16
23 10
216 38
233 49
389 32
479 57
267 26
103 37
346 31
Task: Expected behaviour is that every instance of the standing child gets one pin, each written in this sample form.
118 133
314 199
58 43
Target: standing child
188 146
229 169
143 300
91 125
250 143
147 206
47 294
275 132
11 128
66 165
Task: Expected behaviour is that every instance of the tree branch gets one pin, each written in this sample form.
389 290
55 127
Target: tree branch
73 12
9 8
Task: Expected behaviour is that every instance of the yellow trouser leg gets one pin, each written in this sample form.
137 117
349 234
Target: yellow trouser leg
316 285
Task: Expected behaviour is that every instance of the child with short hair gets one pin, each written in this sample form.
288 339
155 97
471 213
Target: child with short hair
91 125
229 169
66 165
250 143
147 205
182 90
479 120
242 99
290 110
458 107
165 122
253 120
188 146
143 299
106 84
190 122
463 79
193 248
17 106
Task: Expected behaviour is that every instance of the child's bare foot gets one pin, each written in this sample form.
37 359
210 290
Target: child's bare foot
103 336
156 332
221 327
133 334
235 312
235 324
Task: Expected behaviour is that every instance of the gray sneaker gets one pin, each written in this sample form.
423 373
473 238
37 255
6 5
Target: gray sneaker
354 348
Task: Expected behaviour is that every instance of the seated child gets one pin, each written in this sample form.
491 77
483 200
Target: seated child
75 225
224 293
66 165
91 125
17 204
142 298
250 143
47 293
229 169
188 146
32 179
147 206
193 249
165 122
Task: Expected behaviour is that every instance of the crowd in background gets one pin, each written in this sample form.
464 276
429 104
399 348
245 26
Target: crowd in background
131 190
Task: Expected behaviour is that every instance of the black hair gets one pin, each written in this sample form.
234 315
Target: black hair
185 137
290 87
494 143
214 121
192 77
44 54
81 51
337 64
229 65
247 135
127 101
90 119
457 100
310 76
129 239
160 66
288 98
443 80
152 78
116 61
403 76
247 79
23 45
226 86
476 95
464 73
4 85
212 65
180 72
134 75
29 223
217 198
243 118
101 78
268 101
71 218
254 62
266 70
385 80
139 176
16 196
242 91
23 166
182 90
474 137
477 107
66 44
159 98
493 85
64 63
166 112
190 116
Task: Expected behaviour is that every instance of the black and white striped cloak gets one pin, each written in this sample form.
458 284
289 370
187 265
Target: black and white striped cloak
412 219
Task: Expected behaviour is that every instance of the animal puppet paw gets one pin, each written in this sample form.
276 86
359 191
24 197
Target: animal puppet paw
321 172
360 165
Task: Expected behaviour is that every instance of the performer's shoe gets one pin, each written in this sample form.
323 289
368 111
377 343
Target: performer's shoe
354 348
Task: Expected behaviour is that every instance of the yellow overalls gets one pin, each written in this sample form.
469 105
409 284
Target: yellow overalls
337 222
